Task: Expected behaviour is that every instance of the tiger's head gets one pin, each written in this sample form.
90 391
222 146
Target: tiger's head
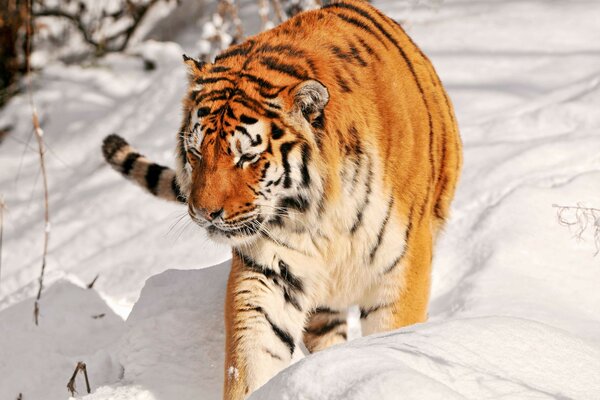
246 156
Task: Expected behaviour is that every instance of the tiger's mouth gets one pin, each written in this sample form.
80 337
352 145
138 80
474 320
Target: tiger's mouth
245 230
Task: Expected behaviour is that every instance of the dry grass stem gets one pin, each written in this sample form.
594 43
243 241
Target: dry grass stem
39 134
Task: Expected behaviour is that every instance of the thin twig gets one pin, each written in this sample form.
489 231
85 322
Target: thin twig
91 284
39 134
71 384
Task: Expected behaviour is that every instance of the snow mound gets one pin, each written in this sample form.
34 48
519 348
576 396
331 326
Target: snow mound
493 357
75 324
175 335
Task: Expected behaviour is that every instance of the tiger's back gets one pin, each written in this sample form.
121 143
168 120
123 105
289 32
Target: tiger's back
326 152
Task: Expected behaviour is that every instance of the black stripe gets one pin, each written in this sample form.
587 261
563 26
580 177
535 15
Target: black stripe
356 55
229 112
407 233
342 83
360 25
214 95
382 230
285 280
236 51
129 162
304 168
283 335
181 136
275 356
285 151
243 130
293 281
253 142
365 312
299 203
177 191
367 198
351 56
272 95
287 69
339 53
259 280
396 261
282 49
220 68
153 176
204 81
264 171
244 119
289 298
276 131
250 104
261 82
368 48
255 267
325 329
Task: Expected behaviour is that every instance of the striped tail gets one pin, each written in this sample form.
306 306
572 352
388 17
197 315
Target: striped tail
158 180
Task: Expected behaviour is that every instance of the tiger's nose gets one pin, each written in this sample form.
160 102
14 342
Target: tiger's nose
211 215
215 214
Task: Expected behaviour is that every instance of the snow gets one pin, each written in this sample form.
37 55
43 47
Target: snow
491 357
515 308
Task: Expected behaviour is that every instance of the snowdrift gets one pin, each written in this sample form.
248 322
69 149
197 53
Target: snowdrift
171 347
478 358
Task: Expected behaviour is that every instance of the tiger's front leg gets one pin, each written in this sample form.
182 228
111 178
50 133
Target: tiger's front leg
264 321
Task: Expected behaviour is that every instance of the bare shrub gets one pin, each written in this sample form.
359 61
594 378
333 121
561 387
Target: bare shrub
580 220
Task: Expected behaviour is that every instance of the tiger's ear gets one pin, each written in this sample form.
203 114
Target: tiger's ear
195 67
310 98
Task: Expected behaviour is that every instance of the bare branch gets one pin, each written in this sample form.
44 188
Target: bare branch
117 41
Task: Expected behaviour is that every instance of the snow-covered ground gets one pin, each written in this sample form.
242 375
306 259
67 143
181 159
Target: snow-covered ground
525 79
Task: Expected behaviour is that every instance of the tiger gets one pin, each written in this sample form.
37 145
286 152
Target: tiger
326 153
